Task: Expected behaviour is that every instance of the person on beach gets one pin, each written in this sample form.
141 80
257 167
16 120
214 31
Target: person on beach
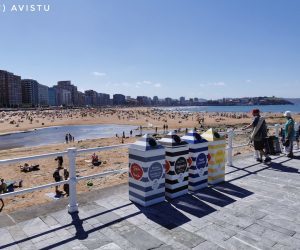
66 186
60 161
258 135
70 137
67 138
289 133
3 189
57 177
56 174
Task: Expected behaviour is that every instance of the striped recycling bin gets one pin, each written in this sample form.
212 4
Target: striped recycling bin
216 156
146 171
198 171
177 155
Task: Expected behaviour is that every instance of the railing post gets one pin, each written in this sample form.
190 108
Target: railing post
230 134
277 126
73 205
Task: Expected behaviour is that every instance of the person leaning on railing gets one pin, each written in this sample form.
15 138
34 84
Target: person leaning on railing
259 134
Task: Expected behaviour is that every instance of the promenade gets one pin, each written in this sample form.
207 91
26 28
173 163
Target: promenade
258 207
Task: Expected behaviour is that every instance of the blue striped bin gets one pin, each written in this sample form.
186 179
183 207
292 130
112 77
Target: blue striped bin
177 155
198 171
146 172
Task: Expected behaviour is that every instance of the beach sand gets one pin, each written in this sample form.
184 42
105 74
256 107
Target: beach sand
115 159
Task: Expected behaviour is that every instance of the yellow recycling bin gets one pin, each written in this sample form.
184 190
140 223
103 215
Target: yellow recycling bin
216 156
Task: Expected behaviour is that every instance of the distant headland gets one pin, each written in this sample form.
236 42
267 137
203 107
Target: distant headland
246 101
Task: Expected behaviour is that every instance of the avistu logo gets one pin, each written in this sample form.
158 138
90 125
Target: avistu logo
30 8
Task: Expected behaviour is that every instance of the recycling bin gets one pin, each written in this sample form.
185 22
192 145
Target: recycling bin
146 171
198 170
216 156
177 155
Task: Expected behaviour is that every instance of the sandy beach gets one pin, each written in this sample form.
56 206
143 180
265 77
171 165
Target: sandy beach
114 159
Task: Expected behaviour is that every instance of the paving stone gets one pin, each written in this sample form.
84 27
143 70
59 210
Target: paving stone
28 245
5 221
216 234
186 238
48 243
165 247
110 246
142 239
234 219
265 242
49 220
108 218
165 236
290 241
279 246
14 247
117 239
275 227
282 222
17 233
237 243
256 229
6 238
34 227
297 236
95 240
208 245
254 241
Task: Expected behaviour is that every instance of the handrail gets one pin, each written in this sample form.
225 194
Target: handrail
33 157
71 153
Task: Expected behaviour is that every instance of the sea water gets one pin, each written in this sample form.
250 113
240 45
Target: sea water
53 135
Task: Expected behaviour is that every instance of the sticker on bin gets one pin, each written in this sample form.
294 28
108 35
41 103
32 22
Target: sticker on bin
136 171
155 173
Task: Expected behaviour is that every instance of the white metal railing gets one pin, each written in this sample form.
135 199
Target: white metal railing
71 153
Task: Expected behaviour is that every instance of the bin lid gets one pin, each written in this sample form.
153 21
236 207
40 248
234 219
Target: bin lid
146 143
193 137
172 140
212 135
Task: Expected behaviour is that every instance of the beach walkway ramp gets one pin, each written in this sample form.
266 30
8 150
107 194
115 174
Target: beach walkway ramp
258 207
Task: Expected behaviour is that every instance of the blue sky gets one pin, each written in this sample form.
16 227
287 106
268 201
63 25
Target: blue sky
169 48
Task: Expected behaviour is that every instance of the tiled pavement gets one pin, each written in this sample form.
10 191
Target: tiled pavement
257 208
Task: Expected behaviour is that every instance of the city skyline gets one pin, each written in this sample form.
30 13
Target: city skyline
207 49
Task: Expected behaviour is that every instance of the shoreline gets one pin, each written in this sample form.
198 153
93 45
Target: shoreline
54 126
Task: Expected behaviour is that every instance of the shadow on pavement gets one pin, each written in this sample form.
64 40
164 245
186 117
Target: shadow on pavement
213 196
192 205
233 190
77 222
280 167
164 214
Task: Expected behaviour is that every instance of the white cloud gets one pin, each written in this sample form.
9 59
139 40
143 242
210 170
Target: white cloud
140 84
216 84
95 73
248 81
